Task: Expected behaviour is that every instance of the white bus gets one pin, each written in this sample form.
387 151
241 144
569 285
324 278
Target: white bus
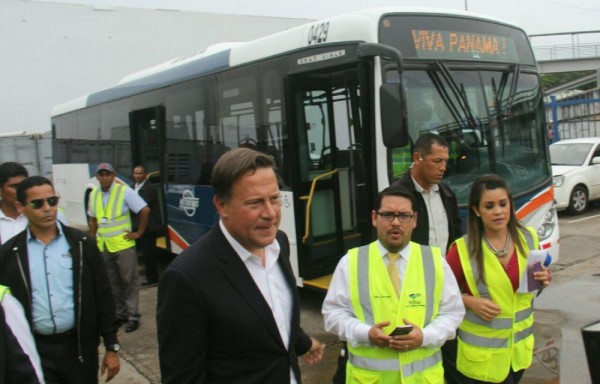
337 104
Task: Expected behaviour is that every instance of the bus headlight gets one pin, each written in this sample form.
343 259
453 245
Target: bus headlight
547 226
558 181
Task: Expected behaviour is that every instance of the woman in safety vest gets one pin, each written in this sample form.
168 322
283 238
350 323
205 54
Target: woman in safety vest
495 340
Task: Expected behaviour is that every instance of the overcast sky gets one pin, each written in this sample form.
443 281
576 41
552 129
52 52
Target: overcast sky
535 16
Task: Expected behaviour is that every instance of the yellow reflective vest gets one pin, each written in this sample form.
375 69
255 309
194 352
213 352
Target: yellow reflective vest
112 221
374 300
3 290
487 350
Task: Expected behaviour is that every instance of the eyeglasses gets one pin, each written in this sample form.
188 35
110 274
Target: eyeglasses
39 203
390 216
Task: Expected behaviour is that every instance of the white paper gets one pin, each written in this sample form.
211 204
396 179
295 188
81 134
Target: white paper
533 257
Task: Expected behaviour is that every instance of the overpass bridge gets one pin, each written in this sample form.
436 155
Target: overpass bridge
576 115
568 52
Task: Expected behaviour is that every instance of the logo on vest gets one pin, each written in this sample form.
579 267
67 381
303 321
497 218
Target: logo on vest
414 300
188 202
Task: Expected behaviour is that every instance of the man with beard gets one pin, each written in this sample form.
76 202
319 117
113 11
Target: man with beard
394 301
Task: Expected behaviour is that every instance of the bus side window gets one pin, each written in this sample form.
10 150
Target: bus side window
238 108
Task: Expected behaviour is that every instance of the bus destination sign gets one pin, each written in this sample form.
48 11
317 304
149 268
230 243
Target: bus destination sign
432 44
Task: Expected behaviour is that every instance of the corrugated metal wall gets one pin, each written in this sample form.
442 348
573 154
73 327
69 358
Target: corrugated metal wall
34 151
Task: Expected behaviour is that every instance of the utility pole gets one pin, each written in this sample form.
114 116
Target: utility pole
466 5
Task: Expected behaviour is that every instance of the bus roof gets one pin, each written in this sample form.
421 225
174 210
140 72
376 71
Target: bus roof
356 26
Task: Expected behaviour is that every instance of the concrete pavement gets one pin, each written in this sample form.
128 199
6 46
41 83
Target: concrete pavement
139 353
571 302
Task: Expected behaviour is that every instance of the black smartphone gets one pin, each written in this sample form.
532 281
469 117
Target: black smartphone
402 330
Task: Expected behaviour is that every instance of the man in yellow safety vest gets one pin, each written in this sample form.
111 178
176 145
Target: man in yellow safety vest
110 221
394 301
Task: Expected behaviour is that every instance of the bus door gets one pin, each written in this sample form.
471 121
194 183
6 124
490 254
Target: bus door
334 174
147 127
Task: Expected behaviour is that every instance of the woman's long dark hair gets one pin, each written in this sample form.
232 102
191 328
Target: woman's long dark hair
475 225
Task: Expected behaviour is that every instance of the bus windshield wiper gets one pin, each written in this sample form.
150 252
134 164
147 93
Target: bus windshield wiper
459 94
513 90
442 91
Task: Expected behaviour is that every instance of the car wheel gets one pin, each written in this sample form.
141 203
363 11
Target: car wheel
578 201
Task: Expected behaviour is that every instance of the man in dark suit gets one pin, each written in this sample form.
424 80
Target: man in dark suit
228 307
147 243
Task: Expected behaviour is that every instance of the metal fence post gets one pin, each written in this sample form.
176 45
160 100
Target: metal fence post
555 132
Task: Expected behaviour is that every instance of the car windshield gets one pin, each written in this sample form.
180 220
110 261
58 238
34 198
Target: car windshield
569 153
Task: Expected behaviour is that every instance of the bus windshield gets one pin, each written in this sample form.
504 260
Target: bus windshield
491 119
475 83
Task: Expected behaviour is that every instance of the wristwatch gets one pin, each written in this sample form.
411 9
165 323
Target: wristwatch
113 348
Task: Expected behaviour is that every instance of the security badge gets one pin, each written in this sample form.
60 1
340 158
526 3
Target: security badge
104 220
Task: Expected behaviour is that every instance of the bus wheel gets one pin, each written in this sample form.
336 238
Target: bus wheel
579 200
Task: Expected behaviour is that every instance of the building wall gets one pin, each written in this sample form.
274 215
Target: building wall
51 52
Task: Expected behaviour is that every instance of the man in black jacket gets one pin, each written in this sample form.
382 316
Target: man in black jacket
435 203
147 243
59 277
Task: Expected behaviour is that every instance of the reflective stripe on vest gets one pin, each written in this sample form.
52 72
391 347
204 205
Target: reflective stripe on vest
364 293
374 364
112 222
488 350
418 301
394 364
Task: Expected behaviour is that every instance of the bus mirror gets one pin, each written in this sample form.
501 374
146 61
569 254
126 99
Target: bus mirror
384 51
393 116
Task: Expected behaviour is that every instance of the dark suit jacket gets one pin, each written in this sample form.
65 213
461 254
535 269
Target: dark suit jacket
421 232
214 325
149 193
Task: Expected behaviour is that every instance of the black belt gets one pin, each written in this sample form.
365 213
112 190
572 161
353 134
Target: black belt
68 335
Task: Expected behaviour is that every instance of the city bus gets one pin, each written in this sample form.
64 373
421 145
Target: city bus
337 103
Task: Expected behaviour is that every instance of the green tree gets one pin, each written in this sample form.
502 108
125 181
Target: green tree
552 80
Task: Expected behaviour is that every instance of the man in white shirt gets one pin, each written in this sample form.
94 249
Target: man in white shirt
434 202
439 222
11 221
228 309
425 297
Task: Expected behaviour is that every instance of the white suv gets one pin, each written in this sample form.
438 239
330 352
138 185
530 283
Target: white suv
576 172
